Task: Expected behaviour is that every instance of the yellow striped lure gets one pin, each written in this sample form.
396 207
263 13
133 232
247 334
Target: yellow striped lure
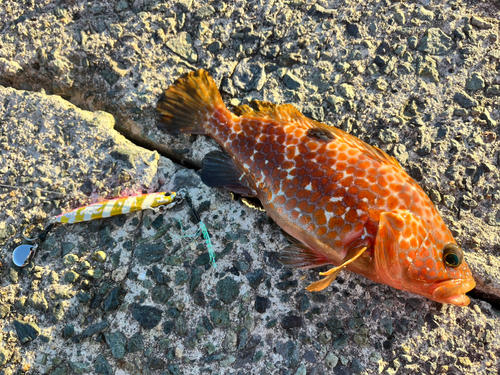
23 254
117 206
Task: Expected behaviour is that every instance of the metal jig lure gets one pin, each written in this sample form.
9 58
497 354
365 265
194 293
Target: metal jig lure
23 254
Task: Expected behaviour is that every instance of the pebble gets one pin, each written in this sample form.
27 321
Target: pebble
255 278
424 14
465 100
102 366
99 256
147 316
292 321
26 331
37 301
436 42
150 253
474 82
331 360
70 259
182 45
292 81
228 290
346 91
112 302
480 23
117 343
290 352
136 343
249 75
353 29
71 277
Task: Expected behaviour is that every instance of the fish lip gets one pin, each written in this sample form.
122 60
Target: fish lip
453 291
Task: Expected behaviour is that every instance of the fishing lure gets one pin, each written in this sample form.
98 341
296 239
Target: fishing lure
23 254
117 206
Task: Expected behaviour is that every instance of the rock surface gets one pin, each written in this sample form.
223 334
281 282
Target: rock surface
137 294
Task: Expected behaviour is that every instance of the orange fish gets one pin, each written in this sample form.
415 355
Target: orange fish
344 202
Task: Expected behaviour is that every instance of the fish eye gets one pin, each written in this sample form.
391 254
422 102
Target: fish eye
452 255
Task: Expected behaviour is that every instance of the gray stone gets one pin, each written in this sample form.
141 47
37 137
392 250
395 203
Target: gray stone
204 12
220 318
331 360
136 343
68 331
346 91
71 277
195 279
150 253
228 290
249 75
465 100
215 46
117 343
79 367
388 136
26 331
37 300
292 81
183 46
181 277
290 351
424 14
147 316
161 293
480 23
102 366
112 302
474 82
255 278
185 5
95 328
493 90
436 42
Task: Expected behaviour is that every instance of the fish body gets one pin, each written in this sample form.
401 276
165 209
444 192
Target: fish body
344 202
115 207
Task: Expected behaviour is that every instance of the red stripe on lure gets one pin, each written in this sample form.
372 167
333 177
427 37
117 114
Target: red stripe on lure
345 202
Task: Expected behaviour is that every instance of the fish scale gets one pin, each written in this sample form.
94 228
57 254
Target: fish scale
344 202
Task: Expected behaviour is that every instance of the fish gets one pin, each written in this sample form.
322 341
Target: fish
113 207
343 202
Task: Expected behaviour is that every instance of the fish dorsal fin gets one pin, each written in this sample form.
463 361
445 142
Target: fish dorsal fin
288 112
243 109
255 108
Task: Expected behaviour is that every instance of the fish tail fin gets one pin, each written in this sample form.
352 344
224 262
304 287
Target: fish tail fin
187 105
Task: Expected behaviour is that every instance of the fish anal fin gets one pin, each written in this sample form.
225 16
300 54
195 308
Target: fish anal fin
297 255
219 170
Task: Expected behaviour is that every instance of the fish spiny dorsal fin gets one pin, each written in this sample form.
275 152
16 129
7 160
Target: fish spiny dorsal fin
243 109
288 112
255 108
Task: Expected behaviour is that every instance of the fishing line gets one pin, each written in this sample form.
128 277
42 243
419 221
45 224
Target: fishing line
24 254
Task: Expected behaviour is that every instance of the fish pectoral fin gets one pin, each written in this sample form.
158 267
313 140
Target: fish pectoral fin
219 170
298 255
332 273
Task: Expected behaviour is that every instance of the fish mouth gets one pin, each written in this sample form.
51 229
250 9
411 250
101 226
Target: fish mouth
453 291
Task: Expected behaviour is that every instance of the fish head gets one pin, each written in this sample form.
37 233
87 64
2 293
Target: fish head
412 255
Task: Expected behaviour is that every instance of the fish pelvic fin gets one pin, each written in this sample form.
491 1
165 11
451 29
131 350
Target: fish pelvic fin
188 104
354 253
